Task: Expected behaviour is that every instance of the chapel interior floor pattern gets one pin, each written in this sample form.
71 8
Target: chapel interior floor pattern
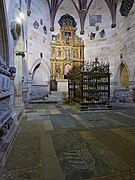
57 142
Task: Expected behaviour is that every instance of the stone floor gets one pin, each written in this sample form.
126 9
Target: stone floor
57 142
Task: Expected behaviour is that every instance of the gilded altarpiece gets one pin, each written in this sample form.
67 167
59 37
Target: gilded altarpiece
67 49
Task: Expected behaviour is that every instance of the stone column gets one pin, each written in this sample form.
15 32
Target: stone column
54 68
18 64
51 68
19 61
61 67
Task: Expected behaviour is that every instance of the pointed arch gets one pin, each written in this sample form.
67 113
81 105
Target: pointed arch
123 75
34 70
40 72
40 79
39 61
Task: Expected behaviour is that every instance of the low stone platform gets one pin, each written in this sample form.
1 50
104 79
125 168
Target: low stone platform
92 107
53 97
9 138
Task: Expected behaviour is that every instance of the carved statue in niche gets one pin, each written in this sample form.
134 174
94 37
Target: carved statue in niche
67 37
58 71
59 52
67 48
53 51
75 53
67 54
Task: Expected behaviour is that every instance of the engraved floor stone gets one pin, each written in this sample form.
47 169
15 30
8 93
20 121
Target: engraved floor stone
48 126
124 134
77 159
112 177
130 111
122 147
41 110
54 111
51 166
83 122
92 120
111 158
101 123
128 175
131 131
90 116
23 174
43 116
113 121
63 111
65 121
30 111
126 115
37 116
52 106
32 116
72 110
87 135
47 110
122 119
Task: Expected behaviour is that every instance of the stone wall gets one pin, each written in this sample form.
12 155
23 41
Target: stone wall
39 49
124 50
125 43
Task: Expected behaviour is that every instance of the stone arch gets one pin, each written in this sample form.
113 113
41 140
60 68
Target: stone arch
123 75
40 76
4 45
34 70
37 62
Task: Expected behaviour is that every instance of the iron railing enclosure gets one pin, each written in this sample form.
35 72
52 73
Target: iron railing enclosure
90 84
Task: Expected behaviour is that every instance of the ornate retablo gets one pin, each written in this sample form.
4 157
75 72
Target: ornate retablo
67 48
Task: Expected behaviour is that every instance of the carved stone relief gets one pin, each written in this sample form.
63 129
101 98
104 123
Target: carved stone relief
7 75
121 95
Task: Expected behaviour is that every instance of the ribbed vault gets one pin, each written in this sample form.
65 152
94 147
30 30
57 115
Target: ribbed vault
82 7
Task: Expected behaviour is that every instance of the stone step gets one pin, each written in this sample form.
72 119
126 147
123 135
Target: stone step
53 97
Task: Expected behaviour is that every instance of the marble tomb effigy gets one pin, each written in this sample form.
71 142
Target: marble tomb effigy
7 112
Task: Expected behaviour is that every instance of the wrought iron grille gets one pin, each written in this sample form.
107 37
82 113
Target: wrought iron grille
90 84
